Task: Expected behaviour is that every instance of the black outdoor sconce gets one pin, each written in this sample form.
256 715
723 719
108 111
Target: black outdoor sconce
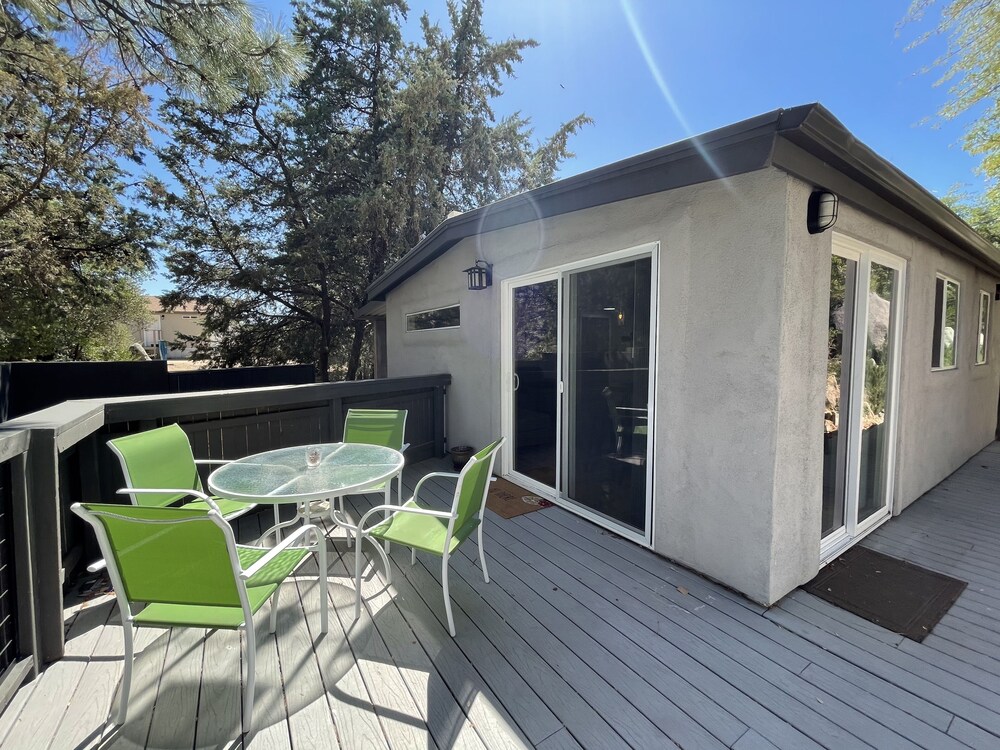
480 275
822 212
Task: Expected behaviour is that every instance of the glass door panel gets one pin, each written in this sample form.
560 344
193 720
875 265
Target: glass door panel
875 417
843 281
863 345
607 395
535 418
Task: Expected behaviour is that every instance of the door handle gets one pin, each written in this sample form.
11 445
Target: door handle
517 381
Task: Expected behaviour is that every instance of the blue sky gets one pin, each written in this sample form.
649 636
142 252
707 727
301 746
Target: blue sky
650 72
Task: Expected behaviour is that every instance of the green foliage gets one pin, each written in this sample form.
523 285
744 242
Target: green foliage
70 249
212 50
972 63
982 213
286 206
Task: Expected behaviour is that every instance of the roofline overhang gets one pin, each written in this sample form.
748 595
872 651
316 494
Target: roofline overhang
806 141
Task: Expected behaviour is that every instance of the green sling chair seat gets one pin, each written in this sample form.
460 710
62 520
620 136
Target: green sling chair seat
161 471
385 427
439 532
181 567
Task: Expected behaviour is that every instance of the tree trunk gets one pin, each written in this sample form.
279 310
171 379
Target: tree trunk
354 362
324 365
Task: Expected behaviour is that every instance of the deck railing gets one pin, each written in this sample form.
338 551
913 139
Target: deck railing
52 458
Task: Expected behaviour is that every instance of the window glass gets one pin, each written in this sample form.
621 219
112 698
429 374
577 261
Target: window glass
982 340
945 340
426 320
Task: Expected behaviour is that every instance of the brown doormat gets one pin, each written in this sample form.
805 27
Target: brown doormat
507 500
897 595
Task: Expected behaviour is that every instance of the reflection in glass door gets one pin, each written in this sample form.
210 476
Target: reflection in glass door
859 416
607 394
535 403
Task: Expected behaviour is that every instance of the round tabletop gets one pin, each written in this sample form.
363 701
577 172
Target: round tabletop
282 476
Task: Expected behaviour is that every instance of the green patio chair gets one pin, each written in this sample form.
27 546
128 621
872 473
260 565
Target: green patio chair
161 471
181 567
385 427
439 532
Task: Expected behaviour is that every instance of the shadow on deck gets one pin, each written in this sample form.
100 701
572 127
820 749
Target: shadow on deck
581 639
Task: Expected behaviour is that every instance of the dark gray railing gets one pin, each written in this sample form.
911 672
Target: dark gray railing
18 647
57 456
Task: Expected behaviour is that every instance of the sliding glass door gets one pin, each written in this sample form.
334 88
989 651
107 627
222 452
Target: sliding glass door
578 355
607 399
535 380
860 411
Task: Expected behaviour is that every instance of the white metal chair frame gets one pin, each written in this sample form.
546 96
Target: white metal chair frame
241 575
390 510
131 491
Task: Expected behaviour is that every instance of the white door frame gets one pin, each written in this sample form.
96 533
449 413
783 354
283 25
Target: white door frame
558 495
864 254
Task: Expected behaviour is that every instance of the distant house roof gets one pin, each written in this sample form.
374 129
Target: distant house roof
805 141
154 305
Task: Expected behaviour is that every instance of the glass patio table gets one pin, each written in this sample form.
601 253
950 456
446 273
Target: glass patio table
285 477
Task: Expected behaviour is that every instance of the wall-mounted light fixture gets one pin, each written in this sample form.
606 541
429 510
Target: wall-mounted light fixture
822 212
480 275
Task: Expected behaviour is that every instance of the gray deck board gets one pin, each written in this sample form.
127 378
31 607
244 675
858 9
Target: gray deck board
580 640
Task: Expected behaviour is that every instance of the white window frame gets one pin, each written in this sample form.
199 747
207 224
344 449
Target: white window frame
983 327
958 316
407 316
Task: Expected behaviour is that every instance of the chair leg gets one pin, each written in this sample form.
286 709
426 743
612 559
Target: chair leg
324 606
385 560
357 579
251 683
413 555
482 554
388 501
127 676
272 618
447 596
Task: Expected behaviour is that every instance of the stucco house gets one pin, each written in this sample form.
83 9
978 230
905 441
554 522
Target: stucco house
166 324
680 348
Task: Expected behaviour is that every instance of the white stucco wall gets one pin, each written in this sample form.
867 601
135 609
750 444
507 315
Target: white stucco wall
743 305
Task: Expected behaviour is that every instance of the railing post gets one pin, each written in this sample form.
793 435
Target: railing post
46 543
336 419
27 621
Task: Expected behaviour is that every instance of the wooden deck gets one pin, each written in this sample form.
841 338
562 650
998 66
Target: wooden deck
581 639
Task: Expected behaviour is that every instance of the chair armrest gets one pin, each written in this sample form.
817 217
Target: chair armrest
281 547
425 477
399 509
161 491
213 461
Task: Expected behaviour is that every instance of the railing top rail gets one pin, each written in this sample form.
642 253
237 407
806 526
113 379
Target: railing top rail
71 421
12 443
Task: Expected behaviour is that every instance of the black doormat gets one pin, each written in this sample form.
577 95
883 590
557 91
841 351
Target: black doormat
897 595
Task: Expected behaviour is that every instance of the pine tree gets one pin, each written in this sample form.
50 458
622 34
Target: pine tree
290 206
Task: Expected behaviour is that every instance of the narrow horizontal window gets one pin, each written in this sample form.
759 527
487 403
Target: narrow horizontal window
428 320
945 341
983 338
